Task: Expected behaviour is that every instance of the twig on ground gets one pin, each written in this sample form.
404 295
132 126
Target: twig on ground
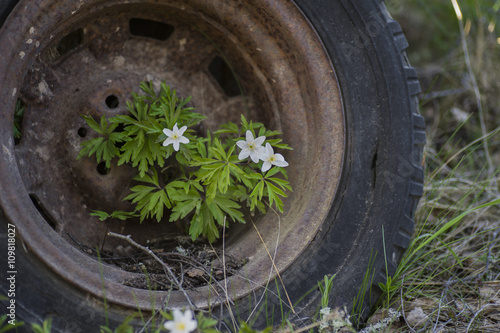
195 263
403 308
167 269
439 307
476 314
443 93
495 235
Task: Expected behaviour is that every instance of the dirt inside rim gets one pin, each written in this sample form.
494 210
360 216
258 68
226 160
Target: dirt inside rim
194 264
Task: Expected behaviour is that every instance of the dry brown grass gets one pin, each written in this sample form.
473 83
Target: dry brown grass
453 283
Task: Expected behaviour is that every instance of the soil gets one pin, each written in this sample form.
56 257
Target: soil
194 264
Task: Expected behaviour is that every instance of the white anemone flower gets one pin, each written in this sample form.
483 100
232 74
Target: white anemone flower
251 147
182 323
270 159
175 136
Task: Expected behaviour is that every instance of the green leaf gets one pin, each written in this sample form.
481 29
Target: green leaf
184 203
273 193
203 224
206 324
224 179
157 201
103 147
202 149
105 329
139 192
149 200
255 175
100 214
121 215
230 207
93 124
89 147
8 326
230 128
149 178
217 213
45 328
258 190
275 189
244 122
211 191
238 173
272 172
241 194
276 143
245 328
218 151
284 184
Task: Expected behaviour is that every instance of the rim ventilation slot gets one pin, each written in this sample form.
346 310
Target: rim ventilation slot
41 209
152 29
225 77
70 42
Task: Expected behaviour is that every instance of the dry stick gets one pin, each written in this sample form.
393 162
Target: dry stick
439 307
403 309
495 235
151 253
195 263
476 314
276 268
486 283
477 94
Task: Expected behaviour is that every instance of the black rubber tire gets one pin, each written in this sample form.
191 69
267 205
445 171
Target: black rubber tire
380 186
5 8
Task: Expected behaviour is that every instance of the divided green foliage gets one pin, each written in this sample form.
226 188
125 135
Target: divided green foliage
104 147
6 323
44 328
204 183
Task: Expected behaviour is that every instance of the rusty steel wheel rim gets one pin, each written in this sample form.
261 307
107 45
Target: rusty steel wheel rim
70 58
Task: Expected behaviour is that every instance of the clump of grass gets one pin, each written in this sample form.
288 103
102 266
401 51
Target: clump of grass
448 279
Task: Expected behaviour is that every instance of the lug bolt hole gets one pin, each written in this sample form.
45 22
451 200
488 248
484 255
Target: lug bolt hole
112 101
103 169
82 132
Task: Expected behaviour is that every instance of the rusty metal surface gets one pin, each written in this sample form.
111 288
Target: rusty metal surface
288 83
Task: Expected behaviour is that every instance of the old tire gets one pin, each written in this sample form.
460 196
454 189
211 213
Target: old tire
358 169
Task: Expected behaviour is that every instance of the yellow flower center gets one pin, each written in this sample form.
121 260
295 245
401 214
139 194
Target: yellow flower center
251 146
175 136
181 326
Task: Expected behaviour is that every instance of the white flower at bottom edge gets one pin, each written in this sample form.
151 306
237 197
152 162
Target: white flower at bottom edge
175 136
182 323
251 147
270 159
